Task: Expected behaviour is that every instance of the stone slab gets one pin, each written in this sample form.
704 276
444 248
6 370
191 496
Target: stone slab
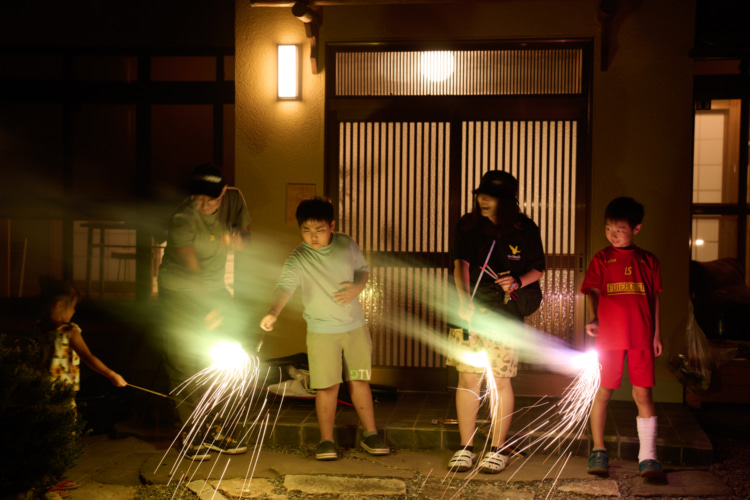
337 485
436 490
687 483
523 469
205 490
489 492
253 488
111 461
93 489
598 488
160 468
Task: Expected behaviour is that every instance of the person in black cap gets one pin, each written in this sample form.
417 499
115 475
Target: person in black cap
498 235
192 293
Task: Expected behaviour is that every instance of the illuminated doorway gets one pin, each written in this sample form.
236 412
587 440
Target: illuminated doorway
407 144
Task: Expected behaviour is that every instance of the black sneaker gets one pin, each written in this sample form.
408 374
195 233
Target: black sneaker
215 440
374 445
326 450
192 451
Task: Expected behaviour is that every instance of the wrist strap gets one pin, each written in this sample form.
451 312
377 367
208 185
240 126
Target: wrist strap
516 283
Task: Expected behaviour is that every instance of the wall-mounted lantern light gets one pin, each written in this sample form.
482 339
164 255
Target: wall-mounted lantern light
289 74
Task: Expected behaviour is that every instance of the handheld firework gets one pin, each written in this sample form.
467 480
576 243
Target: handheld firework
148 390
467 335
260 344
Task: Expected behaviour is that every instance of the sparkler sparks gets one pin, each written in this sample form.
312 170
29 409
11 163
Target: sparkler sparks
230 398
558 429
562 425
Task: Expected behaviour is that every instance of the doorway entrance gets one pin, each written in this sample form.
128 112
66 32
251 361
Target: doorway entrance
409 135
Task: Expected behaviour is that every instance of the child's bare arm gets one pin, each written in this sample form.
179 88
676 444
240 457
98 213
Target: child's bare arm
592 327
657 329
80 347
350 290
280 299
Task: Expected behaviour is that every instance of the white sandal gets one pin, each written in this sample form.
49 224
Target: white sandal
462 460
493 463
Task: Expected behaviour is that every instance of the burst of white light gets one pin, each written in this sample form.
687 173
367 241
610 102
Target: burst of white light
558 429
436 65
230 397
228 355
478 359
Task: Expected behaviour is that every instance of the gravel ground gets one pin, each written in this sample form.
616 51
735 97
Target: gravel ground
727 425
732 467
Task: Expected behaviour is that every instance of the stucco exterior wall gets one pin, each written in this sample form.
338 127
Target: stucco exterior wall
641 123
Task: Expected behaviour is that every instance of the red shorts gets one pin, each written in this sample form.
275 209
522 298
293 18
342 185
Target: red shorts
640 368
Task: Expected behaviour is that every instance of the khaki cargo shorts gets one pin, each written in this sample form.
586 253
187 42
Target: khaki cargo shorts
502 359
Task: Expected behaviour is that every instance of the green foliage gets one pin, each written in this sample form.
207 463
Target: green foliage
39 431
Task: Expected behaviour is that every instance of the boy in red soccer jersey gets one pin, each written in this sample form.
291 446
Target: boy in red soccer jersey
623 283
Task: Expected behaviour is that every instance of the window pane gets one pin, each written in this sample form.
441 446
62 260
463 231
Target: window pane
24 128
716 153
31 66
714 237
104 152
105 68
183 69
229 68
181 138
34 249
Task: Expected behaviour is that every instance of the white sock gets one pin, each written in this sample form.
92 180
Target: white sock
647 438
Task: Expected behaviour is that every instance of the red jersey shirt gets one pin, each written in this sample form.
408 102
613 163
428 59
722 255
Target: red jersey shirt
628 280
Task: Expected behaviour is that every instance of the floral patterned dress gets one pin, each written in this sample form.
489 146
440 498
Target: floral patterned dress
65 364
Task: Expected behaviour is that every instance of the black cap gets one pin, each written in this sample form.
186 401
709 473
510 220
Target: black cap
498 184
207 179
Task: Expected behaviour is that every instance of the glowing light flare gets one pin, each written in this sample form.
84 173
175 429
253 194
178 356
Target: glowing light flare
436 65
477 359
232 397
586 361
228 355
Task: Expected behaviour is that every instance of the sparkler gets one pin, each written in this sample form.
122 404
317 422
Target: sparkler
559 427
482 269
260 344
148 390
230 396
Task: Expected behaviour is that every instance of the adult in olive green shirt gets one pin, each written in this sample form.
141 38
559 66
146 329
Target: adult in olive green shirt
192 293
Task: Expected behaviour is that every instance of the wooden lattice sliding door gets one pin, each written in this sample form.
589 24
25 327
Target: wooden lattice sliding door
401 177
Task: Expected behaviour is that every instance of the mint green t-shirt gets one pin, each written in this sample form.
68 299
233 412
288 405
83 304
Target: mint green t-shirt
318 274
209 236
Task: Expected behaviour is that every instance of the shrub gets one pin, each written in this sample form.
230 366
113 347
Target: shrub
40 431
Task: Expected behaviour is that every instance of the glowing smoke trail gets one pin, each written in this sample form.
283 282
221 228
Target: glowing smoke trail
563 422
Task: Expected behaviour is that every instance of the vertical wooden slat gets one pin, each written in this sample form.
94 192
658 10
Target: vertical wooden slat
475 72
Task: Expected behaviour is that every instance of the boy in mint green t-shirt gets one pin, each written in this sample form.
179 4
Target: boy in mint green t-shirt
331 272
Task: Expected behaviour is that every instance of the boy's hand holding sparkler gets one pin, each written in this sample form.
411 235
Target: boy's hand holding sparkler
592 327
268 321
